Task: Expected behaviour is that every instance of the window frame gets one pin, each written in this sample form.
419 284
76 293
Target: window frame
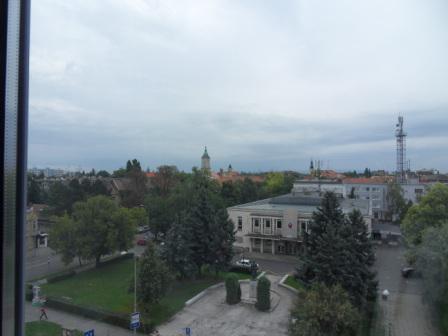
14 64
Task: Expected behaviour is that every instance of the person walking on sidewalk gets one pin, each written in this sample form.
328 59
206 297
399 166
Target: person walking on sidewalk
43 314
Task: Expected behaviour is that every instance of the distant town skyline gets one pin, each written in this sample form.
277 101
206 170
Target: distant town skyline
264 85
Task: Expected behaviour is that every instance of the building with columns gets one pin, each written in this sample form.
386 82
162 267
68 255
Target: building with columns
277 225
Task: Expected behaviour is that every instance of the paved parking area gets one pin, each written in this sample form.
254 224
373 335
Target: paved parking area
404 313
276 264
212 316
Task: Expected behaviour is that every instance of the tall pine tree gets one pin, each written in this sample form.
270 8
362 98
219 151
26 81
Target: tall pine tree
178 252
338 251
203 233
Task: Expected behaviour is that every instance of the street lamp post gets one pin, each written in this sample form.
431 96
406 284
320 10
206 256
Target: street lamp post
135 288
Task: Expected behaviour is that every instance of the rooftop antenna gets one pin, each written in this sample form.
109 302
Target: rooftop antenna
400 135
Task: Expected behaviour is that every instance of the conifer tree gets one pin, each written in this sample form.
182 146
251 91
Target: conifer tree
363 258
154 278
178 251
204 234
338 251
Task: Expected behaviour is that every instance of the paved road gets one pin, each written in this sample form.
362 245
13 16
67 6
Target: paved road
46 261
275 264
43 263
404 313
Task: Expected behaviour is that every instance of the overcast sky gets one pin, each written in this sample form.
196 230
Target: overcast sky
266 85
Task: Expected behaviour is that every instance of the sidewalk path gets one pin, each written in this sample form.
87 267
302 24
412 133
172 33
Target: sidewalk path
71 321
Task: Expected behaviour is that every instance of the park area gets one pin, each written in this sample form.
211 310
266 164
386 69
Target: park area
109 288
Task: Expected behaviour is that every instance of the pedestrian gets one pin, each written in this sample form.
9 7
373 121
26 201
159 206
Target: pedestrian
43 313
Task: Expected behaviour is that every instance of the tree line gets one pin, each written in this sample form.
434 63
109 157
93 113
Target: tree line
425 228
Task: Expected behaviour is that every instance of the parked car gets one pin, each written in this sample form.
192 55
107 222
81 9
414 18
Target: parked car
143 229
408 272
142 242
244 265
148 236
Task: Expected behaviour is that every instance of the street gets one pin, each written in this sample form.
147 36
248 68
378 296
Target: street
403 313
274 264
44 262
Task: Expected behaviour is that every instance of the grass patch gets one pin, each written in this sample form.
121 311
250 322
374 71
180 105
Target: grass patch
45 328
104 288
107 288
291 281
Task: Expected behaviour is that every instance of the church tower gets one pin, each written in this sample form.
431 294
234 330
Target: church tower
205 161
312 168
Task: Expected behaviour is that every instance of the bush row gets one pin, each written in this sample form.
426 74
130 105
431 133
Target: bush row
68 274
61 276
115 260
119 320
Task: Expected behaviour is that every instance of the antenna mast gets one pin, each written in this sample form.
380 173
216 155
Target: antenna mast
400 134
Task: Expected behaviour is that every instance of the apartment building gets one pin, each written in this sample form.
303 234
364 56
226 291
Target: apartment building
374 190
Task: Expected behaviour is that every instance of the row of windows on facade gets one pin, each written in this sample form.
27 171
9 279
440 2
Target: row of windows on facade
303 224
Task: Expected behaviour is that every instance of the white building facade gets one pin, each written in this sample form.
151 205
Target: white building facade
277 225
363 189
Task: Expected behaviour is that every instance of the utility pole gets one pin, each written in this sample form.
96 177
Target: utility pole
135 288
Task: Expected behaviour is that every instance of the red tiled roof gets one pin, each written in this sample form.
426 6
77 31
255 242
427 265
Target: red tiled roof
367 180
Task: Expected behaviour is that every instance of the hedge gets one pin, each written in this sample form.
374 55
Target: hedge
122 257
233 289
120 320
61 276
263 294
68 274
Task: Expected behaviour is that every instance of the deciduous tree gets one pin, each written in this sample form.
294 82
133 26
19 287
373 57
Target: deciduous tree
396 204
322 311
65 239
431 211
432 262
96 228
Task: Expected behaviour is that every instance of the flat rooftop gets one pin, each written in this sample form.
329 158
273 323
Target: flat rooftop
300 203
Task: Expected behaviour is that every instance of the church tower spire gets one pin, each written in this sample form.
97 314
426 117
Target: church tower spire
205 160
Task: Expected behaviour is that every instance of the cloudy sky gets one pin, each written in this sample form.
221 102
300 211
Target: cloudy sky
264 84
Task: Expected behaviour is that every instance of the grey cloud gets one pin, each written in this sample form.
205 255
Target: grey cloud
264 84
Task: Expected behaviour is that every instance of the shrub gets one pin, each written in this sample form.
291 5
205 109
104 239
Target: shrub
263 294
323 310
233 290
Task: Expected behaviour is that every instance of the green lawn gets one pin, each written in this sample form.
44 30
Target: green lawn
106 288
291 281
45 328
